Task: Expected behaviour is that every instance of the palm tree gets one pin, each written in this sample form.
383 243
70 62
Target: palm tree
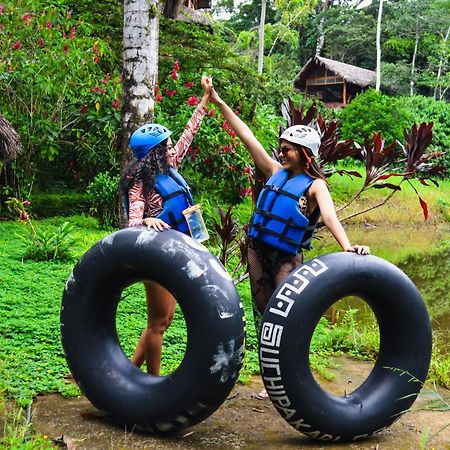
140 67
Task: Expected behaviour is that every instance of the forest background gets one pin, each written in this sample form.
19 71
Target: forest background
61 89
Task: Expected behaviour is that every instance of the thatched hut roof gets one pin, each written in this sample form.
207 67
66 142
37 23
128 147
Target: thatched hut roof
352 74
10 145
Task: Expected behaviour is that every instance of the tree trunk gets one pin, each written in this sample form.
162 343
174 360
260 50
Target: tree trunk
380 13
140 67
413 62
172 8
261 36
321 28
439 72
140 72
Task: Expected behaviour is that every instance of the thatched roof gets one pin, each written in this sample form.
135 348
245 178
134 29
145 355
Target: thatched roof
10 145
192 15
352 74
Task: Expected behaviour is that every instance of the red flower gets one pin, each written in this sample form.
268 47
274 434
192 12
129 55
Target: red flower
176 65
26 203
17 45
245 192
189 84
65 49
26 18
174 75
72 33
116 104
96 59
227 149
1 8
49 24
170 93
1 26
232 134
64 35
41 42
158 98
211 113
192 101
225 125
95 49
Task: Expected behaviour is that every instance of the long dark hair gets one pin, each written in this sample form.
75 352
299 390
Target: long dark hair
146 169
310 166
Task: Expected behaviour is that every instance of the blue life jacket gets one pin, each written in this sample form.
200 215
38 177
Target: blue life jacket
176 196
277 220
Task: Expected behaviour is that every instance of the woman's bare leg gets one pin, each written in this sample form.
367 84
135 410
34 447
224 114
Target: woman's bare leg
160 310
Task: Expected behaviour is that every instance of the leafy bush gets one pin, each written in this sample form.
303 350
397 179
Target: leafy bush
370 112
60 93
103 193
49 245
426 109
48 204
217 161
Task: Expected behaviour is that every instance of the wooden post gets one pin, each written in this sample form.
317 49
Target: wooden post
344 92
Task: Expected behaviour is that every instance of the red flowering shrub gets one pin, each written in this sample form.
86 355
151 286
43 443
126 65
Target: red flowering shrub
52 70
217 161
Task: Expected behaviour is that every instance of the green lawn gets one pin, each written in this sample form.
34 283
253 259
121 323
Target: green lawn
30 294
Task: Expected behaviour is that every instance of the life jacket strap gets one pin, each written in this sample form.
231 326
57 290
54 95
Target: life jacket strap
279 190
270 215
282 236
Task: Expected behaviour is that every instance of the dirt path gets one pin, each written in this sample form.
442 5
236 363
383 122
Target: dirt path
241 422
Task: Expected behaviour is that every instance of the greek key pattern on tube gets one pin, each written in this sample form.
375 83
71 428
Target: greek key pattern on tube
295 286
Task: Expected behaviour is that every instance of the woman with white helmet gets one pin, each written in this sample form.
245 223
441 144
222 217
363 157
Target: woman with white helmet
155 195
287 208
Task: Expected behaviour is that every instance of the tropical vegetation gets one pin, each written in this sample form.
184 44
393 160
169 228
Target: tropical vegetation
62 85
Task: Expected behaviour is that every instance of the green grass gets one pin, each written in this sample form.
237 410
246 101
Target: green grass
30 296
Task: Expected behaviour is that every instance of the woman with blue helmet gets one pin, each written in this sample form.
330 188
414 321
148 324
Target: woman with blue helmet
287 209
155 195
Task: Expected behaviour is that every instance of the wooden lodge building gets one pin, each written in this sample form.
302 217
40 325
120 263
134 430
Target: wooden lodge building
333 82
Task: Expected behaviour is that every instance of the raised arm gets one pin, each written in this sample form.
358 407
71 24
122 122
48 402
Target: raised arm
263 161
192 127
320 192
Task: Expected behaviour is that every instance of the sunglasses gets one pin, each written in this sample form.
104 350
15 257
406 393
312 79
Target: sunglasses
284 150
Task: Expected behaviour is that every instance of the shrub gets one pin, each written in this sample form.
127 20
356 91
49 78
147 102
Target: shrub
372 112
427 109
60 93
49 245
103 193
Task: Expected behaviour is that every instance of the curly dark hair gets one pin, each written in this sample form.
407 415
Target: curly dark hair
146 169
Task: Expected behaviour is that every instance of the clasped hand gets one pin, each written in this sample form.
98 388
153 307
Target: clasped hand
156 224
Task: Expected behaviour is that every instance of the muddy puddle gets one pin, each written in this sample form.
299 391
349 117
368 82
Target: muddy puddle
243 422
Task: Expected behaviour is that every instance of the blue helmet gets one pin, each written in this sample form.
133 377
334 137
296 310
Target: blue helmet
147 137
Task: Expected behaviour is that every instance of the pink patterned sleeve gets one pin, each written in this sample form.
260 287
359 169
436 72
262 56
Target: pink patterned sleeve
191 129
137 203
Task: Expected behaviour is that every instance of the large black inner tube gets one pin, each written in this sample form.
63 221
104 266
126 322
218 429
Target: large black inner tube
214 321
399 371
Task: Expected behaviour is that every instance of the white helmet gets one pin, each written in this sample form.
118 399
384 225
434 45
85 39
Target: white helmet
303 135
